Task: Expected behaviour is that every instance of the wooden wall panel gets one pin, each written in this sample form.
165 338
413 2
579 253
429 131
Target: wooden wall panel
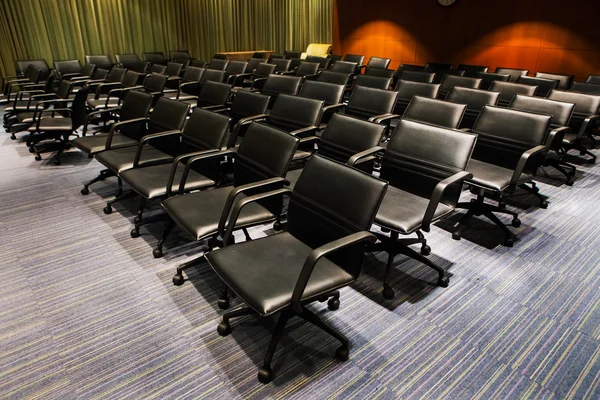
540 35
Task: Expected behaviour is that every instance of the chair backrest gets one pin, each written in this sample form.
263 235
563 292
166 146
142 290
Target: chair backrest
316 215
100 61
180 55
263 70
64 89
345 136
155 57
42 65
379 62
334 77
218 64
322 61
197 63
344 67
514 73
292 112
278 84
32 73
585 104
475 99
367 102
505 134
78 107
441 73
418 76
292 54
67 67
253 64
213 93
587 88
435 67
155 82
488 77
143 66
236 67
593 79
408 89
334 58
124 59
435 112
471 70
508 90
450 81
136 104
247 103
259 54
408 67
419 156
307 68
173 69
100 73
559 110
205 130
88 70
329 93
281 64
275 56
211 75
168 115
192 74
564 81
373 82
544 86
355 58
116 74
382 73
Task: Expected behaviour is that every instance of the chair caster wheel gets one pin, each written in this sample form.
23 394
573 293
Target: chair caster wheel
85 191
592 161
443 281
425 250
509 242
157 253
342 353
569 182
224 329
277 226
516 222
265 375
544 204
135 233
13 137
455 236
223 304
137 220
388 292
333 304
31 150
38 157
107 210
178 280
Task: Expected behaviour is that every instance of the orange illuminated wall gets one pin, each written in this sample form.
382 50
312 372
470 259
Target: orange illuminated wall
541 35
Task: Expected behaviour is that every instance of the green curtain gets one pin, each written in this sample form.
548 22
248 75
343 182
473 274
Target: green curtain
68 29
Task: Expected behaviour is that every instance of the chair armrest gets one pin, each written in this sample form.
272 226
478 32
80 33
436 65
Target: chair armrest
333 107
71 74
378 119
310 139
119 92
308 129
437 194
147 139
213 107
118 125
556 136
222 110
53 110
585 126
174 78
181 159
235 213
236 191
358 156
93 114
101 86
192 160
316 255
33 86
523 162
257 80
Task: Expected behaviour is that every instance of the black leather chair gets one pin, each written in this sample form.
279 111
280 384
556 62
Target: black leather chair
305 70
508 90
41 64
182 57
334 77
587 88
333 59
204 133
418 76
114 79
210 75
425 166
330 94
246 107
584 120
22 106
355 58
379 62
450 81
100 61
281 64
173 71
435 112
511 144
441 73
99 75
155 57
275 56
564 80
487 78
593 79
435 67
475 100
67 68
373 82
381 73
344 67
514 73
14 83
408 89
258 77
213 96
371 104
312 264
126 60
322 61
398 75
187 86
561 115
544 86
280 84
292 54
253 64
234 71
135 106
471 71
115 91
167 115
260 163
218 64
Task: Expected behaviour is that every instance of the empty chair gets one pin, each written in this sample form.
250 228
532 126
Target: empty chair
441 73
125 60
322 61
246 107
173 69
281 84
66 69
544 86
379 62
41 64
593 79
108 93
405 68
210 75
510 147
281 64
487 78
218 64
435 67
418 76
253 64
425 167
275 56
311 264
256 79
355 58
235 70
334 58
305 70
561 114
30 77
20 109
587 88
407 90
583 121
474 99
334 77
514 73
295 115
100 61
292 54
188 85
435 112
564 81
373 82
181 56
379 72
213 95
450 81
471 71
508 90
329 93
371 104
155 57
344 67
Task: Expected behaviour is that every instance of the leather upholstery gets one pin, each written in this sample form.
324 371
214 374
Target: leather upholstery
585 104
173 69
291 112
334 77
435 67
125 59
380 72
587 88
235 67
564 81
281 64
344 67
246 104
264 70
306 68
211 75
593 79
345 136
180 54
253 64
217 64
544 86
281 84
213 93
155 83
100 61
488 77
327 92
475 99
471 70
121 159
378 62
356 58
155 57
322 61
508 90
559 110
373 82
441 73
418 76
435 112
409 89
67 67
367 102
450 81
493 177
514 73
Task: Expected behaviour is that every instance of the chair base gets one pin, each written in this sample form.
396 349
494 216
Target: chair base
105 173
583 151
568 170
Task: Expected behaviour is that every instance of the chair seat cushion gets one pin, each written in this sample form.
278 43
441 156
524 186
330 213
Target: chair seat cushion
403 211
20 105
151 181
491 176
199 213
301 154
119 160
96 143
101 103
53 124
25 117
264 272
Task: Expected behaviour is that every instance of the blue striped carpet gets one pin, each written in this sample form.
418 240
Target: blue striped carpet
87 312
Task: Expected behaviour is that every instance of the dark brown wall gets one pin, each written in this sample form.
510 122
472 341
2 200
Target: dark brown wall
540 35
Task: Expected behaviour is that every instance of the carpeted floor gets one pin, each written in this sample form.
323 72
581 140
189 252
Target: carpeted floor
87 312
